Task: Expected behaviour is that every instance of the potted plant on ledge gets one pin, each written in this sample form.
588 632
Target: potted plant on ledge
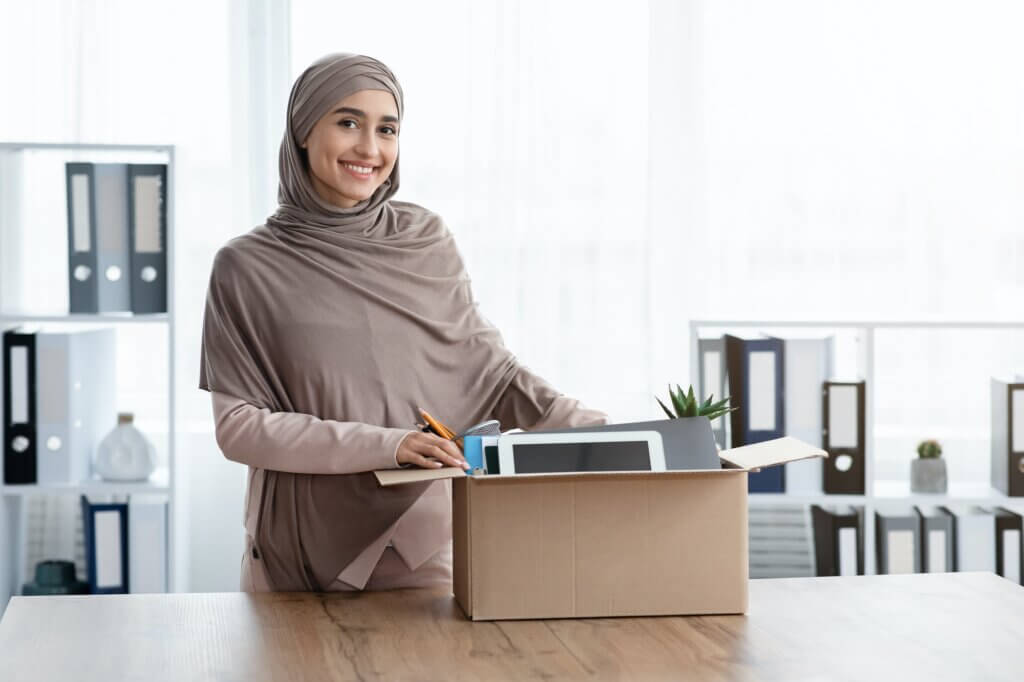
928 471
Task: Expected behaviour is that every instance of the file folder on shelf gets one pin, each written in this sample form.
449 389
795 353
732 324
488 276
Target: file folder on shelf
974 536
76 400
937 545
105 527
1009 545
711 360
147 544
1008 436
809 363
147 196
98 237
20 447
838 540
843 437
897 542
756 376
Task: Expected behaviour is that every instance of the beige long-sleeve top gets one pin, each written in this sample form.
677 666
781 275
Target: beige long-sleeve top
302 443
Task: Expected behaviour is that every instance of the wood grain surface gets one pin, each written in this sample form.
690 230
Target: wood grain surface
958 626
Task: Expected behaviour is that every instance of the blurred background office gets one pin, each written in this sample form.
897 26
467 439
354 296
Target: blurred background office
611 172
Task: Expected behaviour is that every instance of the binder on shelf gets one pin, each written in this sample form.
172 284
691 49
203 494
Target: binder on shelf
843 437
20 415
937 545
147 197
1008 436
974 537
711 360
897 543
147 543
756 376
75 400
809 363
105 527
98 237
838 540
1009 545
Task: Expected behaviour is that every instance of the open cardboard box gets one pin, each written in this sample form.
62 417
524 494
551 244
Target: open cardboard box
604 544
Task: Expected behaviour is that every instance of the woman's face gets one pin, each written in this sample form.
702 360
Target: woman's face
352 150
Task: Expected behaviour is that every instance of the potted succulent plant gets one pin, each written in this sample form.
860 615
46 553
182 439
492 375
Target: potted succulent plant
687 405
928 471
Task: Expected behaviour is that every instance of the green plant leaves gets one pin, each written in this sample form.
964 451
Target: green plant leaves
686 404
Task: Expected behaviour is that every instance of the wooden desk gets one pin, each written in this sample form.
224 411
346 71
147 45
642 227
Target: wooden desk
962 627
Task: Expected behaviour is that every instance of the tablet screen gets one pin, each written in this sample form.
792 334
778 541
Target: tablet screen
548 458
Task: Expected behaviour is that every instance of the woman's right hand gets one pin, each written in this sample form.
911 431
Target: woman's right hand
429 451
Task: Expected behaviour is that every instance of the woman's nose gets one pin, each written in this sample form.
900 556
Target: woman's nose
367 145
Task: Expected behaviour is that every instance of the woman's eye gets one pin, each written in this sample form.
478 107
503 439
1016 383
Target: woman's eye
344 121
393 131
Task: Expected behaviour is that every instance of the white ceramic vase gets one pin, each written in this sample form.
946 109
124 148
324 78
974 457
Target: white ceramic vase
125 454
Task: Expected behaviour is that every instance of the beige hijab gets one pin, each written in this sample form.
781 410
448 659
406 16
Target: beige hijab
357 314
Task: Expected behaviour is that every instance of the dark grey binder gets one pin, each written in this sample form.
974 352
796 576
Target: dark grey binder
20 411
827 525
936 520
843 437
147 198
885 526
98 256
688 443
1007 520
1008 437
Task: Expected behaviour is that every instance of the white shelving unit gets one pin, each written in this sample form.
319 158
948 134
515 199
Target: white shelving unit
879 493
34 236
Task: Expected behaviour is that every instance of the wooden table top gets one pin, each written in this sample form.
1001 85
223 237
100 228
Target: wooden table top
958 626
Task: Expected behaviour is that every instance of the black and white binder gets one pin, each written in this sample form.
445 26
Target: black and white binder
20 416
838 540
1009 545
937 546
106 546
711 361
809 363
756 377
75 400
897 542
1008 436
147 197
98 237
843 437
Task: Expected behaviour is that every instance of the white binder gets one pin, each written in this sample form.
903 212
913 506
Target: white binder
76 395
147 544
809 363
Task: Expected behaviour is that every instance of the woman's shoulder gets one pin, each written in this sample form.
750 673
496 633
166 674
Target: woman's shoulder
238 250
414 215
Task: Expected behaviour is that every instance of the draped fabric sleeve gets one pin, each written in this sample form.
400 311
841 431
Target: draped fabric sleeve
301 443
531 403
229 355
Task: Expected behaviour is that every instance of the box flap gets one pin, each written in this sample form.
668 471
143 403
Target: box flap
770 453
388 477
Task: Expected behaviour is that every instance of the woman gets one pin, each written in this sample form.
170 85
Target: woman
325 329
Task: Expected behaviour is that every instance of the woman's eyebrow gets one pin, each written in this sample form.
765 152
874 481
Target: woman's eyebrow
361 113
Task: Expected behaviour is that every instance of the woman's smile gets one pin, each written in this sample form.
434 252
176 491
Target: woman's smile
361 172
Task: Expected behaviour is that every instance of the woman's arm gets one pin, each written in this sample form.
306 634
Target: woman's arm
531 403
301 443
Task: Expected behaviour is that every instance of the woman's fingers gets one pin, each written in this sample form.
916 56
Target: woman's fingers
430 451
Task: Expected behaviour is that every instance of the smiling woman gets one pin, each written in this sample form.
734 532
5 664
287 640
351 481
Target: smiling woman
326 329
352 150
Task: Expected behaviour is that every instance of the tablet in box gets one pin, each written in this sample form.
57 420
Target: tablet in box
605 544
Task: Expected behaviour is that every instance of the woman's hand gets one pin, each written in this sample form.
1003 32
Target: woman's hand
429 451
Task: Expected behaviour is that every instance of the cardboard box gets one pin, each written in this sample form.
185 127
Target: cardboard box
605 544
